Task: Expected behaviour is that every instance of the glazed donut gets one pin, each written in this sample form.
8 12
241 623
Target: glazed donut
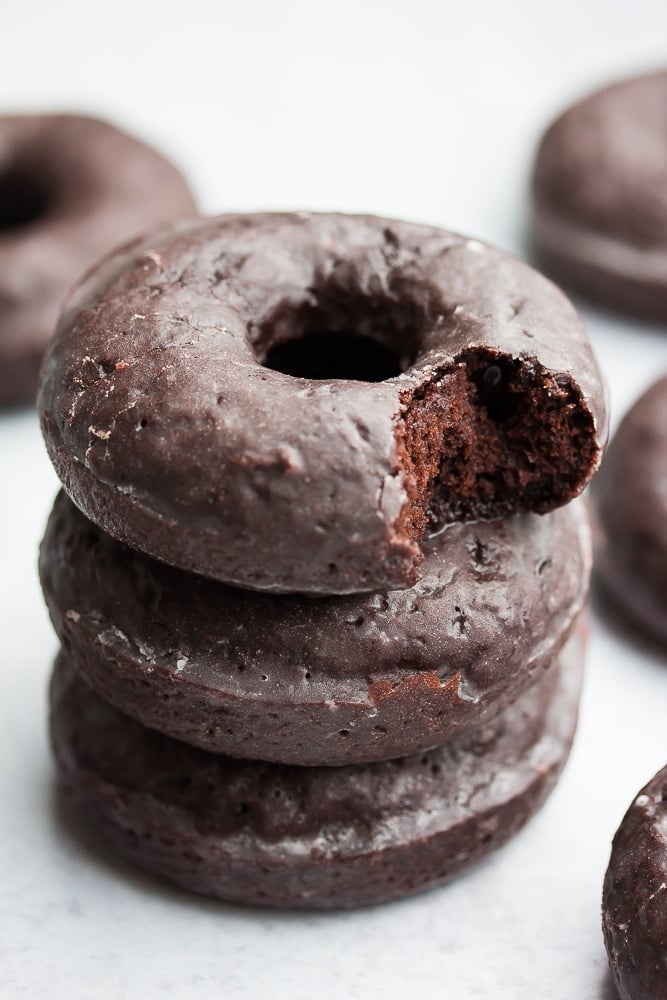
634 899
600 199
176 412
332 681
630 497
270 835
71 188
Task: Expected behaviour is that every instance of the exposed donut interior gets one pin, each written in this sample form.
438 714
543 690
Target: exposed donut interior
491 435
482 437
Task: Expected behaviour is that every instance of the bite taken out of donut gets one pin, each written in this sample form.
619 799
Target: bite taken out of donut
71 189
291 402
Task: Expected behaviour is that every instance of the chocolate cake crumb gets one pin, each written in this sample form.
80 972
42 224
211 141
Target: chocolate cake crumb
492 434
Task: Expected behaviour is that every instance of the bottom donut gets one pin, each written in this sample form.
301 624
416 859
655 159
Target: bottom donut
312 837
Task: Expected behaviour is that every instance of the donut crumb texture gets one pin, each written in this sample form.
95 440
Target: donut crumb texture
490 435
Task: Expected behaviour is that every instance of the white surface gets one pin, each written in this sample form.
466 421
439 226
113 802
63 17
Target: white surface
422 110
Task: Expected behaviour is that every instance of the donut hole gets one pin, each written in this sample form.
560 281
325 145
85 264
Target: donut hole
341 335
334 356
23 199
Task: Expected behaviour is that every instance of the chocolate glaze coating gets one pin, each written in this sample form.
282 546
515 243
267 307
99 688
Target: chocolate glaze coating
630 495
282 836
168 431
634 900
71 189
331 681
599 196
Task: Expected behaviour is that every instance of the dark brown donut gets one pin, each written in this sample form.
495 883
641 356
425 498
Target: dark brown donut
631 503
634 900
332 681
600 199
170 428
71 189
329 837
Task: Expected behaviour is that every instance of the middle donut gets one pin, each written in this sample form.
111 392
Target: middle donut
335 680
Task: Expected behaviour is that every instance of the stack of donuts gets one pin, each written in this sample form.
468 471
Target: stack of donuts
318 569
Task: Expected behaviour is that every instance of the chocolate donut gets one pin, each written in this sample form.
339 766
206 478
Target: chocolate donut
71 188
634 900
600 199
631 506
282 836
175 410
331 681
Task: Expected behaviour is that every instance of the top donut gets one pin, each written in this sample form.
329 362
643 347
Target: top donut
600 198
289 402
